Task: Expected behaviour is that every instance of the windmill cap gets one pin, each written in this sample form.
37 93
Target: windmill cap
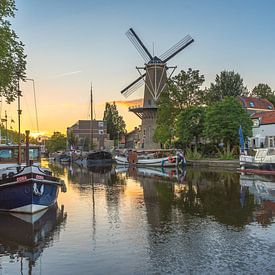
154 60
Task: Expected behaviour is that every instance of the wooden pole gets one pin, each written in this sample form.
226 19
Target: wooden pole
92 118
19 124
27 152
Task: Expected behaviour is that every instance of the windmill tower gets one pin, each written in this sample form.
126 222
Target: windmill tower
155 79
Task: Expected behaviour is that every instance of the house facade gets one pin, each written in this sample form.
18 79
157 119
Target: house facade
263 130
91 131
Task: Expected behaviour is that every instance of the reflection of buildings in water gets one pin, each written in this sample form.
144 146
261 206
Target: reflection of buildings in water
25 236
263 189
86 175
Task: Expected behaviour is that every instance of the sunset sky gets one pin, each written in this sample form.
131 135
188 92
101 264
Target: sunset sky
73 43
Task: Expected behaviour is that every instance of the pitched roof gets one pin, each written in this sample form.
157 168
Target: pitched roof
256 103
265 117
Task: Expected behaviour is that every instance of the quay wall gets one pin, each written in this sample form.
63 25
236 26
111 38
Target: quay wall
227 164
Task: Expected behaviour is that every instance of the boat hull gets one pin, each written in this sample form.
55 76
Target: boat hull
28 197
30 190
158 162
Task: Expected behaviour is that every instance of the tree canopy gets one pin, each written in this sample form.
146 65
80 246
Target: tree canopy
228 83
115 123
57 142
223 119
12 57
182 91
190 124
263 91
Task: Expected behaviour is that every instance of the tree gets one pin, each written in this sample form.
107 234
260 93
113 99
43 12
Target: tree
12 57
223 119
182 91
228 83
72 139
57 142
115 123
190 124
263 91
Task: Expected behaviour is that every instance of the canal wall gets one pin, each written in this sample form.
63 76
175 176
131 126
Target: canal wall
227 164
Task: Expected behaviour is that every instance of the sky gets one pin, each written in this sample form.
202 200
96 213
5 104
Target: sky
71 44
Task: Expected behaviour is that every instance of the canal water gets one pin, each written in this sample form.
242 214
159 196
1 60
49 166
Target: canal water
146 221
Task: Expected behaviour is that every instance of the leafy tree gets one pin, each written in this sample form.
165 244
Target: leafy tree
12 57
72 139
223 120
57 142
115 122
228 83
190 124
182 91
263 91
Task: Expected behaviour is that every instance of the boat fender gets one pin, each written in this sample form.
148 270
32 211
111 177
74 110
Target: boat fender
171 159
63 186
11 174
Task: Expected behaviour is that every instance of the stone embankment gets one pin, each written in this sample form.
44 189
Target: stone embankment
226 164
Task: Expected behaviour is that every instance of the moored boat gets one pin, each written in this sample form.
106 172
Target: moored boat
159 158
262 163
27 189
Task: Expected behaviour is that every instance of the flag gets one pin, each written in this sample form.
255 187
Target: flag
241 139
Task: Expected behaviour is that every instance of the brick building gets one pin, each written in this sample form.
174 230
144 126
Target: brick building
91 130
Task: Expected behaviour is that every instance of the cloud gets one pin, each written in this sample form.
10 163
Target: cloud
66 74
128 103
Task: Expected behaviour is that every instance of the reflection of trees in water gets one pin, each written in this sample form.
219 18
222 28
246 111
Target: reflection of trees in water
216 194
57 169
203 193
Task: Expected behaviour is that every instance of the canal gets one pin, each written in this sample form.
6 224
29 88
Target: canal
147 221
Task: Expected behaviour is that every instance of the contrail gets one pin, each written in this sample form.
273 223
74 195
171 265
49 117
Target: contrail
66 74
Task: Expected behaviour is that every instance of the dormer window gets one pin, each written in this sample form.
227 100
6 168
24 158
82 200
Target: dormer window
251 104
269 107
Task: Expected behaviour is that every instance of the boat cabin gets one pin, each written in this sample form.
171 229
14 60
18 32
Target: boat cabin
9 154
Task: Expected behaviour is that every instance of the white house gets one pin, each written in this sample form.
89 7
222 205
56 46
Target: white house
263 129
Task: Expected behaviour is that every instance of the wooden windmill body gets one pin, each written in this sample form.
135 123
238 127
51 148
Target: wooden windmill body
155 80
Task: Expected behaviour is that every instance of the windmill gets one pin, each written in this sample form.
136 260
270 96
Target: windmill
155 79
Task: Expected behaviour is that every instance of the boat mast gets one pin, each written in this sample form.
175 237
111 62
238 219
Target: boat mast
19 123
91 128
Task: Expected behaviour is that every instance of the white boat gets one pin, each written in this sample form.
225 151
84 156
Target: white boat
158 158
262 163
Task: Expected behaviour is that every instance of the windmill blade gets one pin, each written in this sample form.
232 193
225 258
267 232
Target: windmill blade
145 54
133 86
182 44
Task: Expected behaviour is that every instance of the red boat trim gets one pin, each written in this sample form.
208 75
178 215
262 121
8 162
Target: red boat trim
256 171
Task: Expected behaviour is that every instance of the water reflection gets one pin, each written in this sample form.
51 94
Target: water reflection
24 236
263 190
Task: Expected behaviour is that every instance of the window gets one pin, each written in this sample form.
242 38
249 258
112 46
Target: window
269 107
101 132
100 124
251 104
6 154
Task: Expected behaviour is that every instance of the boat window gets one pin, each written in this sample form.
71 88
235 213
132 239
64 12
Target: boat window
271 152
261 154
34 154
6 154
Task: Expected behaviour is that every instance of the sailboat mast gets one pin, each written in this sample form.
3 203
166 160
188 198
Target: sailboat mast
91 128
19 124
